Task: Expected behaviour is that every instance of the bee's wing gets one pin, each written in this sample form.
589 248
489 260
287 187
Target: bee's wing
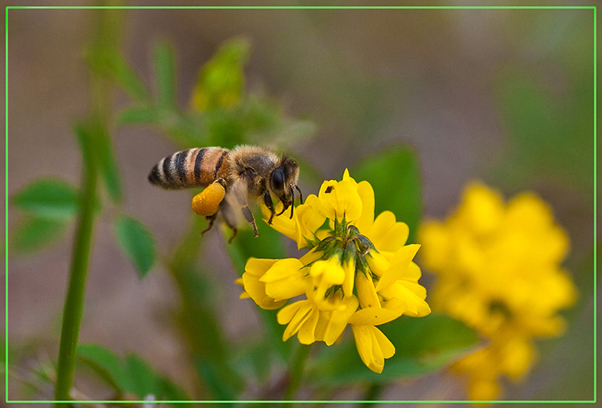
235 200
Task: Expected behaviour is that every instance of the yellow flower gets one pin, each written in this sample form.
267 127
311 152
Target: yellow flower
302 227
498 269
358 271
254 287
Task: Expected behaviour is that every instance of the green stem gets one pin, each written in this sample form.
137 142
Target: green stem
296 373
74 301
106 35
371 396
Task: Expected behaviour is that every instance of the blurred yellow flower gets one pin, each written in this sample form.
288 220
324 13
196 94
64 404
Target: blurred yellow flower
358 271
499 272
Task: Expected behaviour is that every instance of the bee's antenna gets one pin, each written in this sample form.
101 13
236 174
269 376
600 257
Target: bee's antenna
300 194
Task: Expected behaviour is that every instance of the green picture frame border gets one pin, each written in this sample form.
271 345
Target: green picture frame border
593 8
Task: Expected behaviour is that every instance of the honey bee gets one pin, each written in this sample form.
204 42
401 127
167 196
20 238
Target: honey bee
231 178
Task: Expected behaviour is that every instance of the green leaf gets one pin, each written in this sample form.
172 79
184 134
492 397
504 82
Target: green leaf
33 234
422 345
112 64
48 198
165 72
395 176
137 242
141 376
138 115
132 374
171 391
221 80
106 364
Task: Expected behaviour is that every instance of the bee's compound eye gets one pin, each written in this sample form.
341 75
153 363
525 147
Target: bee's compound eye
207 202
277 179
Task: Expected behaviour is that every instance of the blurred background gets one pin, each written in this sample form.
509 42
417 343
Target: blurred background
500 95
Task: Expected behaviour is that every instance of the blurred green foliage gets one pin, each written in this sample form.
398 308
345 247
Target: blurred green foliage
33 234
270 246
221 81
547 114
48 204
48 198
549 138
422 346
137 242
394 173
129 375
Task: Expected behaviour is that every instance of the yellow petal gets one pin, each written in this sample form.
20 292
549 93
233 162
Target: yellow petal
401 261
366 193
346 176
349 268
386 234
518 357
309 218
414 287
363 342
330 272
378 263
368 344
482 208
306 334
335 322
302 314
258 266
340 200
483 388
366 292
287 313
388 349
374 316
254 270
411 304
283 224
412 274
437 245
256 290
285 279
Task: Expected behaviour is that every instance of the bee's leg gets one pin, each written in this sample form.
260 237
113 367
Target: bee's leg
234 232
211 219
229 218
267 199
246 211
250 219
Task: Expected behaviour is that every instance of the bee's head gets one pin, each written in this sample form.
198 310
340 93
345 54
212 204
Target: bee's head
283 182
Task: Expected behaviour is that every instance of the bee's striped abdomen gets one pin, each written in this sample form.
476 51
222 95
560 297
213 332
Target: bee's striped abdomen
190 168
